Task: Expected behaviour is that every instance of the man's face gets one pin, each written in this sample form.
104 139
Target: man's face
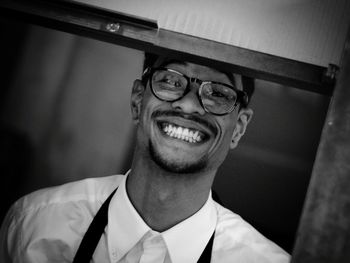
180 136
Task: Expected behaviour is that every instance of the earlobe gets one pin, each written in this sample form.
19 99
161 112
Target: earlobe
136 99
243 119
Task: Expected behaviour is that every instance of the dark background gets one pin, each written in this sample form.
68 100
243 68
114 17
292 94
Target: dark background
64 116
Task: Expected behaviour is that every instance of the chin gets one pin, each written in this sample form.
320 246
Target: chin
176 167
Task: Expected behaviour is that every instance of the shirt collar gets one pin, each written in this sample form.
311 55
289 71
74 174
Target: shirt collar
185 241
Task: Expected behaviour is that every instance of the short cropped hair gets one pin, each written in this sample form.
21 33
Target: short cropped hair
248 83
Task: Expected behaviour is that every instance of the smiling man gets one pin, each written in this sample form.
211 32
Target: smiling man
187 117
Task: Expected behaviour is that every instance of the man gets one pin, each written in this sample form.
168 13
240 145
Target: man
188 117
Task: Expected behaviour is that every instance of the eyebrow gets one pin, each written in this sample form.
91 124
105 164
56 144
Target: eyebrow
229 75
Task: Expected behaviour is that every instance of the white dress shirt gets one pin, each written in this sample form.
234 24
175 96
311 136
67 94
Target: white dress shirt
127 230
48 225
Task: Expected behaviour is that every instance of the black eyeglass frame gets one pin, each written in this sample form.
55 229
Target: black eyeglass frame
242 96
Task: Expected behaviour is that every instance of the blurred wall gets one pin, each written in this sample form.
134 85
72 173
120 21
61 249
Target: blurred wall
66 115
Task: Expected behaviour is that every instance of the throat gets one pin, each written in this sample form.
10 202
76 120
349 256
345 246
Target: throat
161 209
162 212
161 203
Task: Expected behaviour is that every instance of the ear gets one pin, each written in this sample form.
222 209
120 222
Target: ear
136 99
243 118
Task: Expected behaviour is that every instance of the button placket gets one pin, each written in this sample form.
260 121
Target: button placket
154 249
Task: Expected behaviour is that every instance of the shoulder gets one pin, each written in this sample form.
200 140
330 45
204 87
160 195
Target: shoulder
235 239
90 191
53 219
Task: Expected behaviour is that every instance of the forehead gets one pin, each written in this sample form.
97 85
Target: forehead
198 71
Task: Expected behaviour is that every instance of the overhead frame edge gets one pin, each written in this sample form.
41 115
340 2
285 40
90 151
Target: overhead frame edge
137 33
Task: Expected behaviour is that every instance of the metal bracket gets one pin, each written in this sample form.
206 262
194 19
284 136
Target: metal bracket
330 74
143 34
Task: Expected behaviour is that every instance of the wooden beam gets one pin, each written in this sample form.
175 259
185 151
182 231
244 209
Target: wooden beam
143 34
324 230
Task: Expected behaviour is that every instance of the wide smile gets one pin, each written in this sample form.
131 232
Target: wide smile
185 134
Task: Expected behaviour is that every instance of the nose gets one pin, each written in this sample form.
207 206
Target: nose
190 103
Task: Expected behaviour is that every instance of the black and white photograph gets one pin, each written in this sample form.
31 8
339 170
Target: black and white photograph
181 131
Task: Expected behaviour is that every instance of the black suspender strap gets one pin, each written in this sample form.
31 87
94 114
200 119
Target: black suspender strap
93 234
206 254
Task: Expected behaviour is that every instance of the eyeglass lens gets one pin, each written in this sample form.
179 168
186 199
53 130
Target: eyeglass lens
215 97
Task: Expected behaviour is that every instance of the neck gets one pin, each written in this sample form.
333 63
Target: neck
163 199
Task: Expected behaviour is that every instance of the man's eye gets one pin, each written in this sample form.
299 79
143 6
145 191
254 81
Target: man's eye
217 94
171 82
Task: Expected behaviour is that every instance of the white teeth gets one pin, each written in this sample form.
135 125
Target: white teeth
182 133
186 132
195 135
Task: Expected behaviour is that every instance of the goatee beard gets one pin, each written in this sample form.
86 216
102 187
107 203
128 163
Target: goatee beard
172 167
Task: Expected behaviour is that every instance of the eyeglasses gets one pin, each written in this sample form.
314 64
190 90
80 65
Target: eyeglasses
215 97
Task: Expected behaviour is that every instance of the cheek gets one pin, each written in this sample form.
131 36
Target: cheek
227 127
226 142
148 104
146 100
228 124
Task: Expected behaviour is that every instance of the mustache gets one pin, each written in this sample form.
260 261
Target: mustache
194 118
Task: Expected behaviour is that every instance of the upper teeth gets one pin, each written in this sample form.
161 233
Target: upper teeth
182 133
